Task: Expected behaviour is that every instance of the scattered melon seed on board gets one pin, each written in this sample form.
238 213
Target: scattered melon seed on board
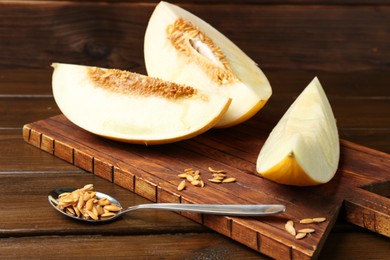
212 170
300 235
319 219
195 182
182 175
306 230
289 226
312 220
228 180
192 176
306 221
182 48
215 180
220 176
303 149
181 185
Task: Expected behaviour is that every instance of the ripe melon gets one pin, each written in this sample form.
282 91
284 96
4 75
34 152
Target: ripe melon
303 149
182 48
131 107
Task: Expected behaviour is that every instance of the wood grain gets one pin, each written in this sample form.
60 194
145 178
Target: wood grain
31 191
240 2
343 42
360 242
16 234
304 37
17 157
181 246
187 245
16 111
152 167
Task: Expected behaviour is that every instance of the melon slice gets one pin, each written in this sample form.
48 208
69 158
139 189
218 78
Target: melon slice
303 149
182 48
131 107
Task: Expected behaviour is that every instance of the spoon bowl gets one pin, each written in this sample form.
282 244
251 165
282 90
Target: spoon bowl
242 210
53 200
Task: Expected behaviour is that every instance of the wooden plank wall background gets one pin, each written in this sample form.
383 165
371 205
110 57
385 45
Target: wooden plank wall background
343 42
325 36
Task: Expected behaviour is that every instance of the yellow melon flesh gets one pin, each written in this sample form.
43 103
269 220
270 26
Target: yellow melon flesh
182 48
303 149
131 107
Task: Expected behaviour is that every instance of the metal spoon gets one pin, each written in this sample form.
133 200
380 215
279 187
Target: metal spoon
215 209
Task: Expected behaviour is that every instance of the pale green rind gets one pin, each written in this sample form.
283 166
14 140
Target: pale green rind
308 130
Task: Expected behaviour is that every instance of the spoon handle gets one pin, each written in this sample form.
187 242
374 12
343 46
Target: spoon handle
215 209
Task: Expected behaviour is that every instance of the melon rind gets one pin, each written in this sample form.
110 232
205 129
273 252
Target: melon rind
306 138
162 60
132 118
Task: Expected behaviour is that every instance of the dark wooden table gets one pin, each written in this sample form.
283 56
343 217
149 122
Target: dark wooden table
346 46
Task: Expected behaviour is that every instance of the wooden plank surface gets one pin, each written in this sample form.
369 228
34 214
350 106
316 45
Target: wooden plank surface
181 246
344 42
28 159
344 239
241 2
304 37
33 189
153 173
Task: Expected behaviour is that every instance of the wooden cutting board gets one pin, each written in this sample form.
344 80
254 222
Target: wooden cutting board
359 191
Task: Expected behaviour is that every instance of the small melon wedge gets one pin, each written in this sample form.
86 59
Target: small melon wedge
182 48
303 149
131 107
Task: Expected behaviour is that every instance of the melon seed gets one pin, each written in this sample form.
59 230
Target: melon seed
182 175
181 185
300 235
112 208
189 178
85 204
306 230
306 221
215 171
319 219
108 214
215 180
88 187
289 226
230 179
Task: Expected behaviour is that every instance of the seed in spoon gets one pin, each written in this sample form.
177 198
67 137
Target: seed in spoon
104 202
112 208
108 214
84 203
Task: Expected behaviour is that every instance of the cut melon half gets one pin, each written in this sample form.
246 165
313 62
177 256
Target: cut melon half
182 48
131 107
303 149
